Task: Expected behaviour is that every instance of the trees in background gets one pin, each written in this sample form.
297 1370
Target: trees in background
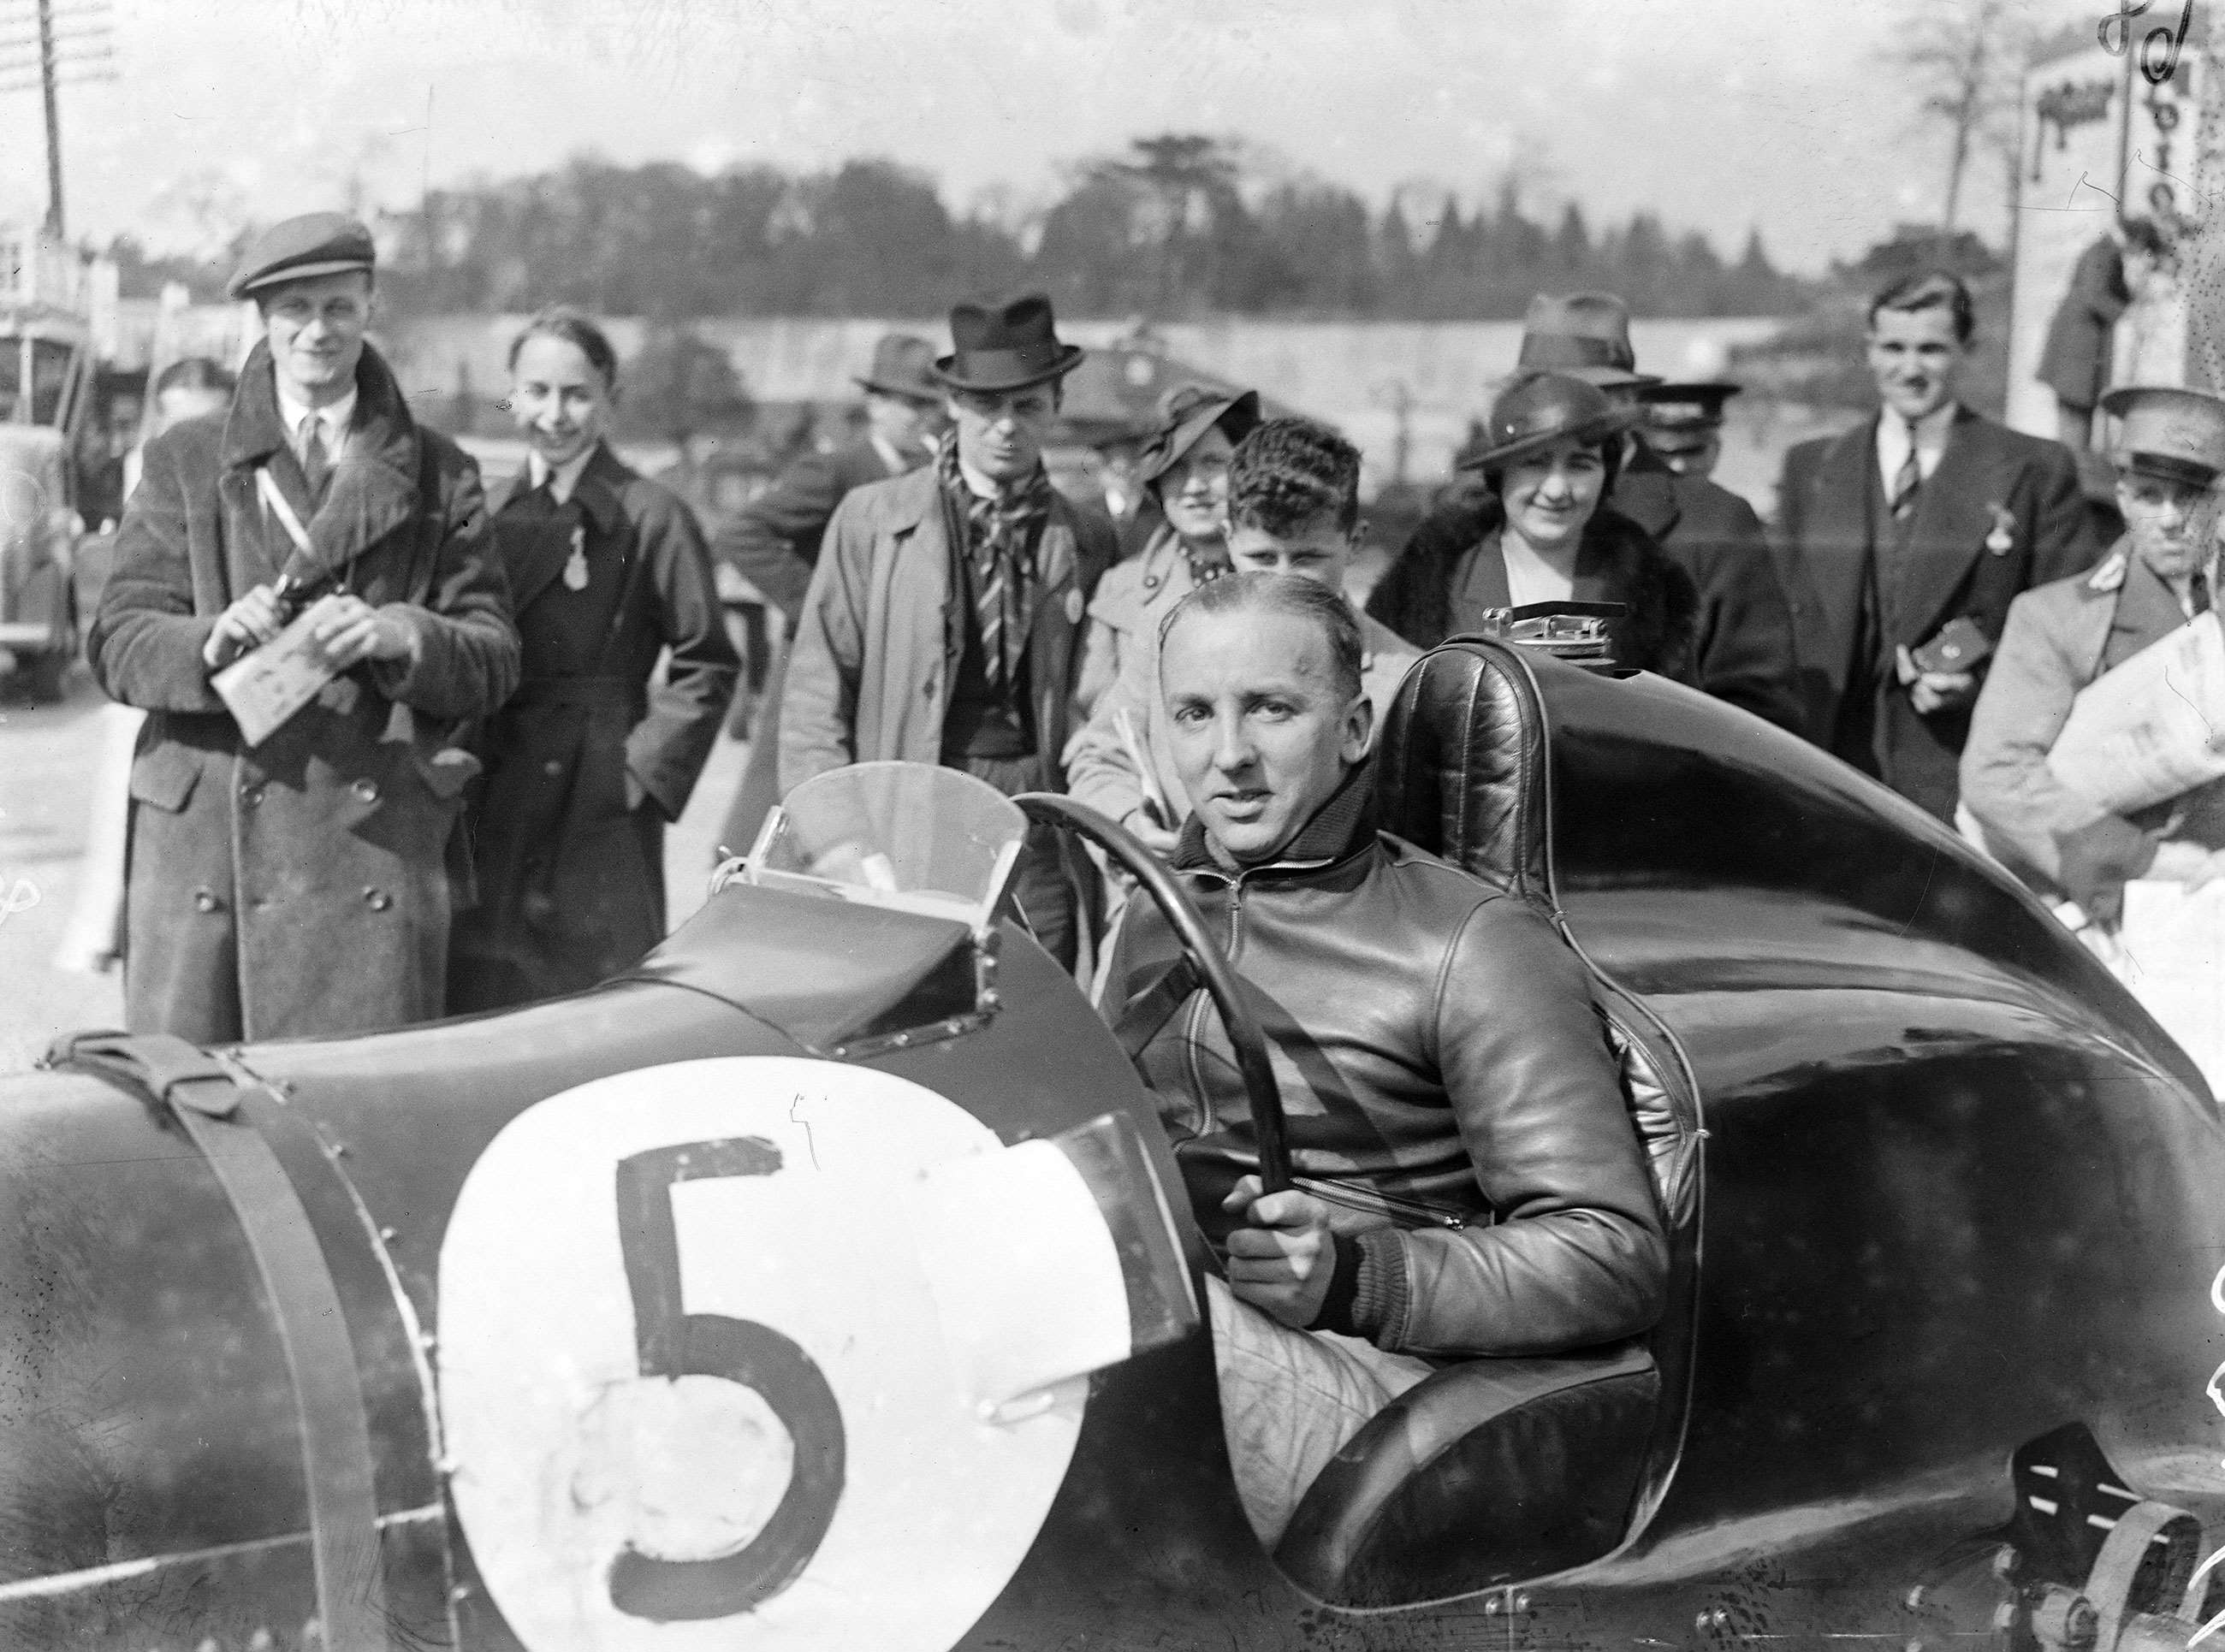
1181 225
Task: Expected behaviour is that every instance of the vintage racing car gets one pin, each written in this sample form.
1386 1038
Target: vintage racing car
825 1282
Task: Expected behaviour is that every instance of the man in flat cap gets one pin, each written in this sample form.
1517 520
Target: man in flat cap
1905 541
2161 576
944 620
774 540
299 886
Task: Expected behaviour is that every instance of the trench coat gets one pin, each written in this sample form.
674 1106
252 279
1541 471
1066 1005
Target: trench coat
299 889
773 541
590 758
2059 638
878 644
2001 513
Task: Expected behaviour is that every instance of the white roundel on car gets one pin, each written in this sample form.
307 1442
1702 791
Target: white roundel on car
693 1367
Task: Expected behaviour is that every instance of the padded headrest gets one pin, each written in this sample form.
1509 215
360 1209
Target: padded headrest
1461 764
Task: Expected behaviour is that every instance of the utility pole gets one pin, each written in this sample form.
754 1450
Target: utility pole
53 120
71 45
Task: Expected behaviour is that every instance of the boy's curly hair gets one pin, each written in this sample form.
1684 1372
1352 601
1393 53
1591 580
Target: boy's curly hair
1289 472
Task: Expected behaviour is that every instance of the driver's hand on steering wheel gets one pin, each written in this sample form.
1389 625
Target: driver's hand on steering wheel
1284 1257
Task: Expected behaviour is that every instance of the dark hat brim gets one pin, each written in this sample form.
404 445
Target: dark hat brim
1606 378
1598 428
1716 390
2167 467
920 390
948 371
255 284
1191 430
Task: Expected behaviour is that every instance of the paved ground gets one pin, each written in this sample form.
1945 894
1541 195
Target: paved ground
48 758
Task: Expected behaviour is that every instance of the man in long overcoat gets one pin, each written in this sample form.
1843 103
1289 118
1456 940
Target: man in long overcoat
300 887
944 620
593 756
1926 514
773 541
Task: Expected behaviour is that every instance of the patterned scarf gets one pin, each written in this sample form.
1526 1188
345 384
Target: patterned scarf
998 536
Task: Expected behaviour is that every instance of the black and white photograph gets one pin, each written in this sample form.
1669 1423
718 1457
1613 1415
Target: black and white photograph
1112 825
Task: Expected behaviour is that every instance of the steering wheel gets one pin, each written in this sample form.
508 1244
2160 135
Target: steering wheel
1202 954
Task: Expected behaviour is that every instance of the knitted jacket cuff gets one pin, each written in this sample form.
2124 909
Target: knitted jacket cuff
1378 1306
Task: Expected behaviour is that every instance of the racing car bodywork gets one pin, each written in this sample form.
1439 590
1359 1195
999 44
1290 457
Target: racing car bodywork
743 1302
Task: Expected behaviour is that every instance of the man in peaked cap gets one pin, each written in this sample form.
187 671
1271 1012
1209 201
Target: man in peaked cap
299 887
2170 455
1683 426
944 620
1905 541
774 540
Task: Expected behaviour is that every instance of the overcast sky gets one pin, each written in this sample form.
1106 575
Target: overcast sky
1719 114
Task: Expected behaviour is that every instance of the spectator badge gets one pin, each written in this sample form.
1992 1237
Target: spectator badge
1073 606
576 566
2002 539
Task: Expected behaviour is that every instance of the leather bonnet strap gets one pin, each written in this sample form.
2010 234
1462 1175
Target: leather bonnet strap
336 1462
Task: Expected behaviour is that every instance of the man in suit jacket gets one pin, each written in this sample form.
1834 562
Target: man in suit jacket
773 542
2170 454
1922 518
944 621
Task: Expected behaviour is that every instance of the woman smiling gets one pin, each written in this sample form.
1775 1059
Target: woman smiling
1538 535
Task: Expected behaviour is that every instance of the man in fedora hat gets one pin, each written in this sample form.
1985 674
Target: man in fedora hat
774 540
1742 636
944 620
299 887
1905 542
2170 454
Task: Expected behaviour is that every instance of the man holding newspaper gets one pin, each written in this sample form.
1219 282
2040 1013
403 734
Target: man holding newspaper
305 604
2096 753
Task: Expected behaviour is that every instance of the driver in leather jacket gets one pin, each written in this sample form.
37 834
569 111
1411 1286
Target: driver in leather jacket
1468 1182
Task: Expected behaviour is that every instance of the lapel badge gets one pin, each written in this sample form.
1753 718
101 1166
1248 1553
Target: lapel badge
2109 575
2002 539
576 566
1073 606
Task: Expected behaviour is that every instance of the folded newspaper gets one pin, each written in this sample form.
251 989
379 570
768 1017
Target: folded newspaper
2153 727
269 685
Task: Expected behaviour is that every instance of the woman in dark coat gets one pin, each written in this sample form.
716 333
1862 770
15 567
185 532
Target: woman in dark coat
1535 532
591 758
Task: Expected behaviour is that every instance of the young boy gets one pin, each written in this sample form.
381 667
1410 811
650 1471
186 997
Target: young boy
1293 508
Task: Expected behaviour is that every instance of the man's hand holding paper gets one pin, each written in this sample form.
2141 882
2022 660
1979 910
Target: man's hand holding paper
250 623
350 630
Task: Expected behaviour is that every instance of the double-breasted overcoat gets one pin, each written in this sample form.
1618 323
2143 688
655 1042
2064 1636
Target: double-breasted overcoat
591 756
299 887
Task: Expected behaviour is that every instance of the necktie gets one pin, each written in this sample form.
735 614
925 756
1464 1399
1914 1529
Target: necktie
2200 594
316 468
1907 480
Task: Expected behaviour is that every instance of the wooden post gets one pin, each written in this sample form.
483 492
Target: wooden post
47 67
2203 269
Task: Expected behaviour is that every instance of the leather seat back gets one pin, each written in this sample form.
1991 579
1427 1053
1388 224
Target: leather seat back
1463 770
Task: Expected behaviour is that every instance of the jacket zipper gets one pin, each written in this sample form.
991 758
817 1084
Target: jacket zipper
1380 1204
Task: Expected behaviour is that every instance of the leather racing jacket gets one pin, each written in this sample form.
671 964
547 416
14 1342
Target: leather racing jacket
1446 1076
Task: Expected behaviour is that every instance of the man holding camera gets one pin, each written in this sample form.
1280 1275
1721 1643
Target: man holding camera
298 885
1906 539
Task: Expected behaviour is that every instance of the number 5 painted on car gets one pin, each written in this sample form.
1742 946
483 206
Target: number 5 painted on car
704 1354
